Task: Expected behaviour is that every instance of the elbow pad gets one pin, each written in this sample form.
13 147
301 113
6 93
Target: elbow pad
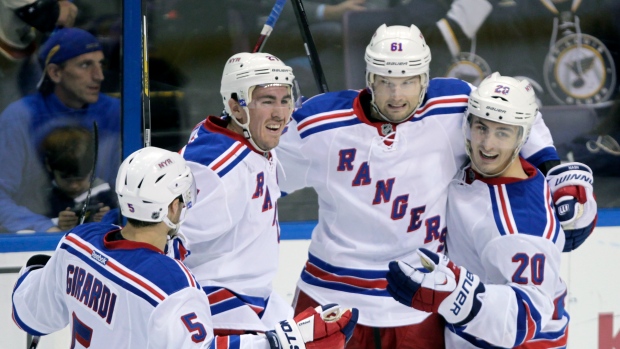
41 14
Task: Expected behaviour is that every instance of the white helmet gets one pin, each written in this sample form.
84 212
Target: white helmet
505 100
398 51
149 180
243 72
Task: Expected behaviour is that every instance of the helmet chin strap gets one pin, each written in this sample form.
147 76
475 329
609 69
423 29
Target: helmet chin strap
171 225
246 130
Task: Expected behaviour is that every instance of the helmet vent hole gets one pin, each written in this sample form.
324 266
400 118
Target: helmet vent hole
389 72
140 185
487 114
501 117
160 177
276 78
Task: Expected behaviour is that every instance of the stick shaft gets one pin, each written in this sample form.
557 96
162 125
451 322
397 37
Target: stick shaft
146 96
311 51
92 172
269 25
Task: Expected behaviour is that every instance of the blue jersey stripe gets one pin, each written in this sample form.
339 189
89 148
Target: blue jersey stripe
328 126
232 164
342 287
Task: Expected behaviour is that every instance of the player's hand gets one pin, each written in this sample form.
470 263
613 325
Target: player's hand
68 12
324 327
446 289
177 247
35 262
102 212
572 192
67 219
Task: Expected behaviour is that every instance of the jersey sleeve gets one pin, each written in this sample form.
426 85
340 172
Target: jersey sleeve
183 320
523 282
293 173
539 146
38 304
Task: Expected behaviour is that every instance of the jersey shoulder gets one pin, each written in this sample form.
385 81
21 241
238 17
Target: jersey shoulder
211 148
448 87
135 264
330 102
525 207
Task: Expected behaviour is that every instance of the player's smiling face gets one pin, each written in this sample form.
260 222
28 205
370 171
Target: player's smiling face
396 98
270 110
492 145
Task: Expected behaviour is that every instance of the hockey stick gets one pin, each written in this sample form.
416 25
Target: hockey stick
34 342
269 25
146 97
92 173
311 52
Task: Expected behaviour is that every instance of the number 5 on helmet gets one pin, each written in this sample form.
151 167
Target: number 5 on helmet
324 327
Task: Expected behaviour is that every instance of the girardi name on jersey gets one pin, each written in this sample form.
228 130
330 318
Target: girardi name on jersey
91 291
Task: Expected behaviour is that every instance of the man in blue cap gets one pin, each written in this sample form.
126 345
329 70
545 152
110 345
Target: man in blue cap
69 95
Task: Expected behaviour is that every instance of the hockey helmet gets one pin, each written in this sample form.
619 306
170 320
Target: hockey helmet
398 51
149 180
243 72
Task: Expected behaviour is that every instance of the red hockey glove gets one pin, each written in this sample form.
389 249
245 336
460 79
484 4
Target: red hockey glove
324 327
446 289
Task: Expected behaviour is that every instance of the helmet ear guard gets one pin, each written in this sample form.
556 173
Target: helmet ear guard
149 180
397 51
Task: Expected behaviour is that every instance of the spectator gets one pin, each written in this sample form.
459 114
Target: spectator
17 39
69 95
68 156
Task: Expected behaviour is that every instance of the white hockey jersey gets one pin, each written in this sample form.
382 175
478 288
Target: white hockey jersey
382 190
113 294
118 294
505 231
233 228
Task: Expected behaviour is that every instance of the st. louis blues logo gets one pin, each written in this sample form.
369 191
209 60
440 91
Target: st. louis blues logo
579 69
469 67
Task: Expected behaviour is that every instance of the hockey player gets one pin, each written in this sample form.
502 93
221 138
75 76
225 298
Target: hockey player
234 230
381 160
117 288
501 286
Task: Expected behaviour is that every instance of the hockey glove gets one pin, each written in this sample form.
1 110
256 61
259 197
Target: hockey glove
324 327
37 261
446 289
572 192
176 247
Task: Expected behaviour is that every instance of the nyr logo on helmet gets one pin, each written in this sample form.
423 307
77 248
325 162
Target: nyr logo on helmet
99 257
234 60
165 163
